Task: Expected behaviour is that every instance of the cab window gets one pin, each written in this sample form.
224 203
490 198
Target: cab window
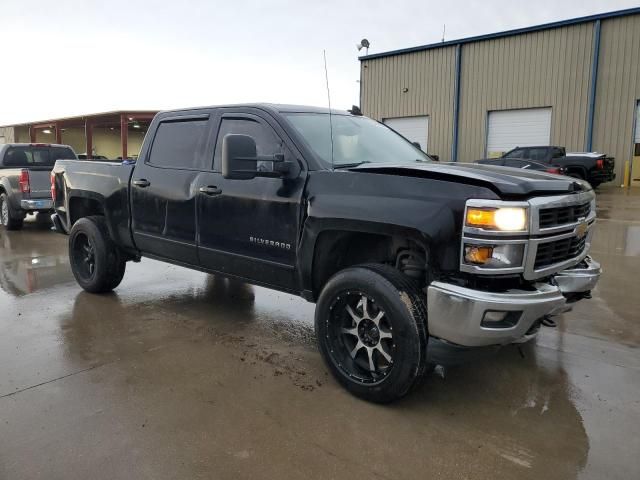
515 153
179 144
538 154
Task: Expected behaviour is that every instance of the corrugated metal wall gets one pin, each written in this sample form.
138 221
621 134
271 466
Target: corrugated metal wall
429 78
618 89
7 135
551 68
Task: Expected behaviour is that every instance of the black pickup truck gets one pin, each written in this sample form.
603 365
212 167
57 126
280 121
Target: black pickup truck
411 262
596 168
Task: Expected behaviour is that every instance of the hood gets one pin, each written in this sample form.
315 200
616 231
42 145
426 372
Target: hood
503 180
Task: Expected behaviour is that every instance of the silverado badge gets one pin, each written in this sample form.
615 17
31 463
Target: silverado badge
270 243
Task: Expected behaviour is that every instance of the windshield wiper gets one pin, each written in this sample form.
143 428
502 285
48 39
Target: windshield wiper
351 165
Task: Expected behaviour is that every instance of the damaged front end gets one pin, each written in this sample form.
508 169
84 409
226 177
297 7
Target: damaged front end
547 248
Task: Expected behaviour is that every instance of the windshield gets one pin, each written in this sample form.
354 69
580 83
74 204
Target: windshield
356 140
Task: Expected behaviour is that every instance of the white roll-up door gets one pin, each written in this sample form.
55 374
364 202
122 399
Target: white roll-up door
416 129
525 127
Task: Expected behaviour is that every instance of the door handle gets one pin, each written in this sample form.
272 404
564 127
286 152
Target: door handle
210 190
142 183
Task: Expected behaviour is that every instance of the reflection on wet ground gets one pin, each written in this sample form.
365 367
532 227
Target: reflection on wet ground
32 259
183 375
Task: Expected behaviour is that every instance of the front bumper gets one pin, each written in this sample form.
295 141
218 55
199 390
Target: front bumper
456 313
579 279
41 204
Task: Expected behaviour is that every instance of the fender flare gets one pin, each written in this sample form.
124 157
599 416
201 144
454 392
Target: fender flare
314 227
578 169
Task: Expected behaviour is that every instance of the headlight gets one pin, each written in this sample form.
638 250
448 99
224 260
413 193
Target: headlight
507 219
494 256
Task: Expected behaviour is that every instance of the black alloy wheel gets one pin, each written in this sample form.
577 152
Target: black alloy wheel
371 328
83 256
361 336
96 261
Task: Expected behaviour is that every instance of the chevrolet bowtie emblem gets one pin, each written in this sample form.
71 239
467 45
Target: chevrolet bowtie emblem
581 230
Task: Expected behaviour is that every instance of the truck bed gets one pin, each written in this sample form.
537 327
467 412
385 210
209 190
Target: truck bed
103 182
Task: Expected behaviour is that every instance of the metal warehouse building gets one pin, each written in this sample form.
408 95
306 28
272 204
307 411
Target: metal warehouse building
574 83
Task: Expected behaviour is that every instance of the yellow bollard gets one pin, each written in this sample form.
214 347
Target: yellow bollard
626 179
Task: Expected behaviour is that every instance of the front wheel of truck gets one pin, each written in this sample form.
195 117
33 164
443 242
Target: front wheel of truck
371 328
96 262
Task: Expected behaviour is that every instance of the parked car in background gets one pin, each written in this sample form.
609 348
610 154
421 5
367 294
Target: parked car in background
596 168
25 186
368 226
524 164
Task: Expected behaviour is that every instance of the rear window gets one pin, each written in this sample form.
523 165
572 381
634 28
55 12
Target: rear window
177 144
28 156
61 153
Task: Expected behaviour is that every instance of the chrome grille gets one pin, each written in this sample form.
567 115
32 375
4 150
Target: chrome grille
559 251
552 217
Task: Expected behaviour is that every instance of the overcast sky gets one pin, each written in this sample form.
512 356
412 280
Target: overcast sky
64 57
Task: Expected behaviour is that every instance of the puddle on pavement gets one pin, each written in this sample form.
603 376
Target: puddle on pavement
32 259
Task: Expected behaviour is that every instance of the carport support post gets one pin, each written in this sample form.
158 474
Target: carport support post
595 57
456 104
124 134
58 134
32 134
89 134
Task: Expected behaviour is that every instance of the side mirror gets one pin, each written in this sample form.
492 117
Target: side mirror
239 157
435 157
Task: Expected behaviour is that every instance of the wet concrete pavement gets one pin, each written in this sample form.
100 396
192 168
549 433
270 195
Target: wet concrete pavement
182 375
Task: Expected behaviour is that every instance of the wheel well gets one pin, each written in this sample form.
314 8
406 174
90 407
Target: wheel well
337 250
577 170
80 207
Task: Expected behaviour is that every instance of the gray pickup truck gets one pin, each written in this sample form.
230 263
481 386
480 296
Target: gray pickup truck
25 185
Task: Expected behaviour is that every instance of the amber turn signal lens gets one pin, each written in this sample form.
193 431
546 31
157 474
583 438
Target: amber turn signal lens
477 255
477 217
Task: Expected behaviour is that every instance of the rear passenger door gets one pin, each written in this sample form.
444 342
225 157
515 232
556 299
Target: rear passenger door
163 193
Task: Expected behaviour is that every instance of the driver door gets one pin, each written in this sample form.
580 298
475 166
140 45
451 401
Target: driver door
250 228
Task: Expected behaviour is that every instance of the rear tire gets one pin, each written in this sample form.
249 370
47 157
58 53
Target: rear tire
371 328
8 217
96 262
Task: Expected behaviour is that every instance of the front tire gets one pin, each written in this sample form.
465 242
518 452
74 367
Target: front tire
8 217
96 262
371 328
